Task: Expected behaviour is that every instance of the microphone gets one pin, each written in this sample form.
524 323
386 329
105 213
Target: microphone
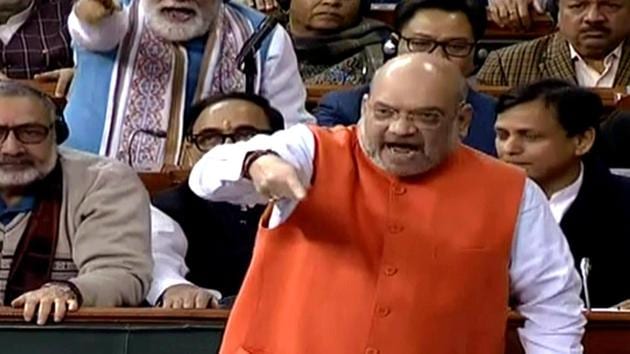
585 268
161 134
245 60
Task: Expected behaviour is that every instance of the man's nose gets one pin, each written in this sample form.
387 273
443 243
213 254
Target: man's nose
439 51
332 3
11 145
403 127
594 14
512 146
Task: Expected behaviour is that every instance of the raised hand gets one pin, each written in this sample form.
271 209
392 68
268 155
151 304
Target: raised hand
94 11
515 14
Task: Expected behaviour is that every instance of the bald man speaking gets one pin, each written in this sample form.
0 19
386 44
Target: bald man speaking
392 237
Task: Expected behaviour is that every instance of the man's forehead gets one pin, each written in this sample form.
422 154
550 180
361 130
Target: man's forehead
534 114
230 113
22 109
453 24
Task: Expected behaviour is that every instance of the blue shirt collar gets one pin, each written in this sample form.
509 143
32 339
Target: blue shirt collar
7 213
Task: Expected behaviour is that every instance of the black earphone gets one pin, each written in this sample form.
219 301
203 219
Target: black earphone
390 47
62 131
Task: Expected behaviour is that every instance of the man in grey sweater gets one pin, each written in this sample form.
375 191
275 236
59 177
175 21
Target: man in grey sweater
75 228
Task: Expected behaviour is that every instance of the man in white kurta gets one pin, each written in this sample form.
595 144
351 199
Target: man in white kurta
141 67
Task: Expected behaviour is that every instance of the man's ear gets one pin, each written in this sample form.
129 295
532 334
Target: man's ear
584 142
463 119
364 101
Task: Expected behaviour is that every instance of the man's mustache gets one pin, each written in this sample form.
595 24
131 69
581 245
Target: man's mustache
10 160
595 28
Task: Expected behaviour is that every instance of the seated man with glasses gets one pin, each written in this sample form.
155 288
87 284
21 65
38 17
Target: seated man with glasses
213 246
447 28
74 227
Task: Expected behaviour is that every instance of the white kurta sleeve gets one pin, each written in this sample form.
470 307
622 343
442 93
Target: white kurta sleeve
169 246
100 38
544 281
218 175
281 81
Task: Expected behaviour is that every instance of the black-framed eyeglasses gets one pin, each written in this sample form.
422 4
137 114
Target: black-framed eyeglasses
209 138
31 133
458 48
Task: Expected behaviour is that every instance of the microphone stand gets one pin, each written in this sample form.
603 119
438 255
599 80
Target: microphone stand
585 268
246 58
155 133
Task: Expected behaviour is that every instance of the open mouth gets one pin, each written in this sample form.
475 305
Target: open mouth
178 14
402 148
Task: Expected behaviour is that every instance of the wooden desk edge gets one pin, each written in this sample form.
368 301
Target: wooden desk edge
149 314
128 315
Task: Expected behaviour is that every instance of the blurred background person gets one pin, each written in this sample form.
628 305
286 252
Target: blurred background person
335 42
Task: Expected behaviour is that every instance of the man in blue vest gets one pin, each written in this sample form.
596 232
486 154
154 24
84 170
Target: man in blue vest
140 66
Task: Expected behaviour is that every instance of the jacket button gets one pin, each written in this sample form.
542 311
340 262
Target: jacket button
394 229
382 311
371 351
390 270
400 190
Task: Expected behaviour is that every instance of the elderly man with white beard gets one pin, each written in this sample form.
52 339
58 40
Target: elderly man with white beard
140 66
74 227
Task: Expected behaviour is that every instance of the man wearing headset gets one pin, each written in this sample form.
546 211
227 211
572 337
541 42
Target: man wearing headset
74 227
446 28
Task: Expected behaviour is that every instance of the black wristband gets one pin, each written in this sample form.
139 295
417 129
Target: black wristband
252 156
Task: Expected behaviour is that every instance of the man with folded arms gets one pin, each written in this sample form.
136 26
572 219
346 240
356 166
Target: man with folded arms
391 236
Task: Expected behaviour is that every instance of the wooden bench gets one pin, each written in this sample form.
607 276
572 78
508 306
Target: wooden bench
158 331
158 181
615 98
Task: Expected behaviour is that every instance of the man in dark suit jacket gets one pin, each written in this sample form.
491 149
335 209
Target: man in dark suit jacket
449 28
209 259
549 128
590 50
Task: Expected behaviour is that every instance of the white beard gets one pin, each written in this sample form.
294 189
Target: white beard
25 177
197 26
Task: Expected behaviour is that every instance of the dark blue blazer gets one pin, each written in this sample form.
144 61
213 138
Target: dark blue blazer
597 226
220 237
344 107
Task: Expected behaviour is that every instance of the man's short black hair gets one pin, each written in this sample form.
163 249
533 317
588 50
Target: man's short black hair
576 109
476 13
275 118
